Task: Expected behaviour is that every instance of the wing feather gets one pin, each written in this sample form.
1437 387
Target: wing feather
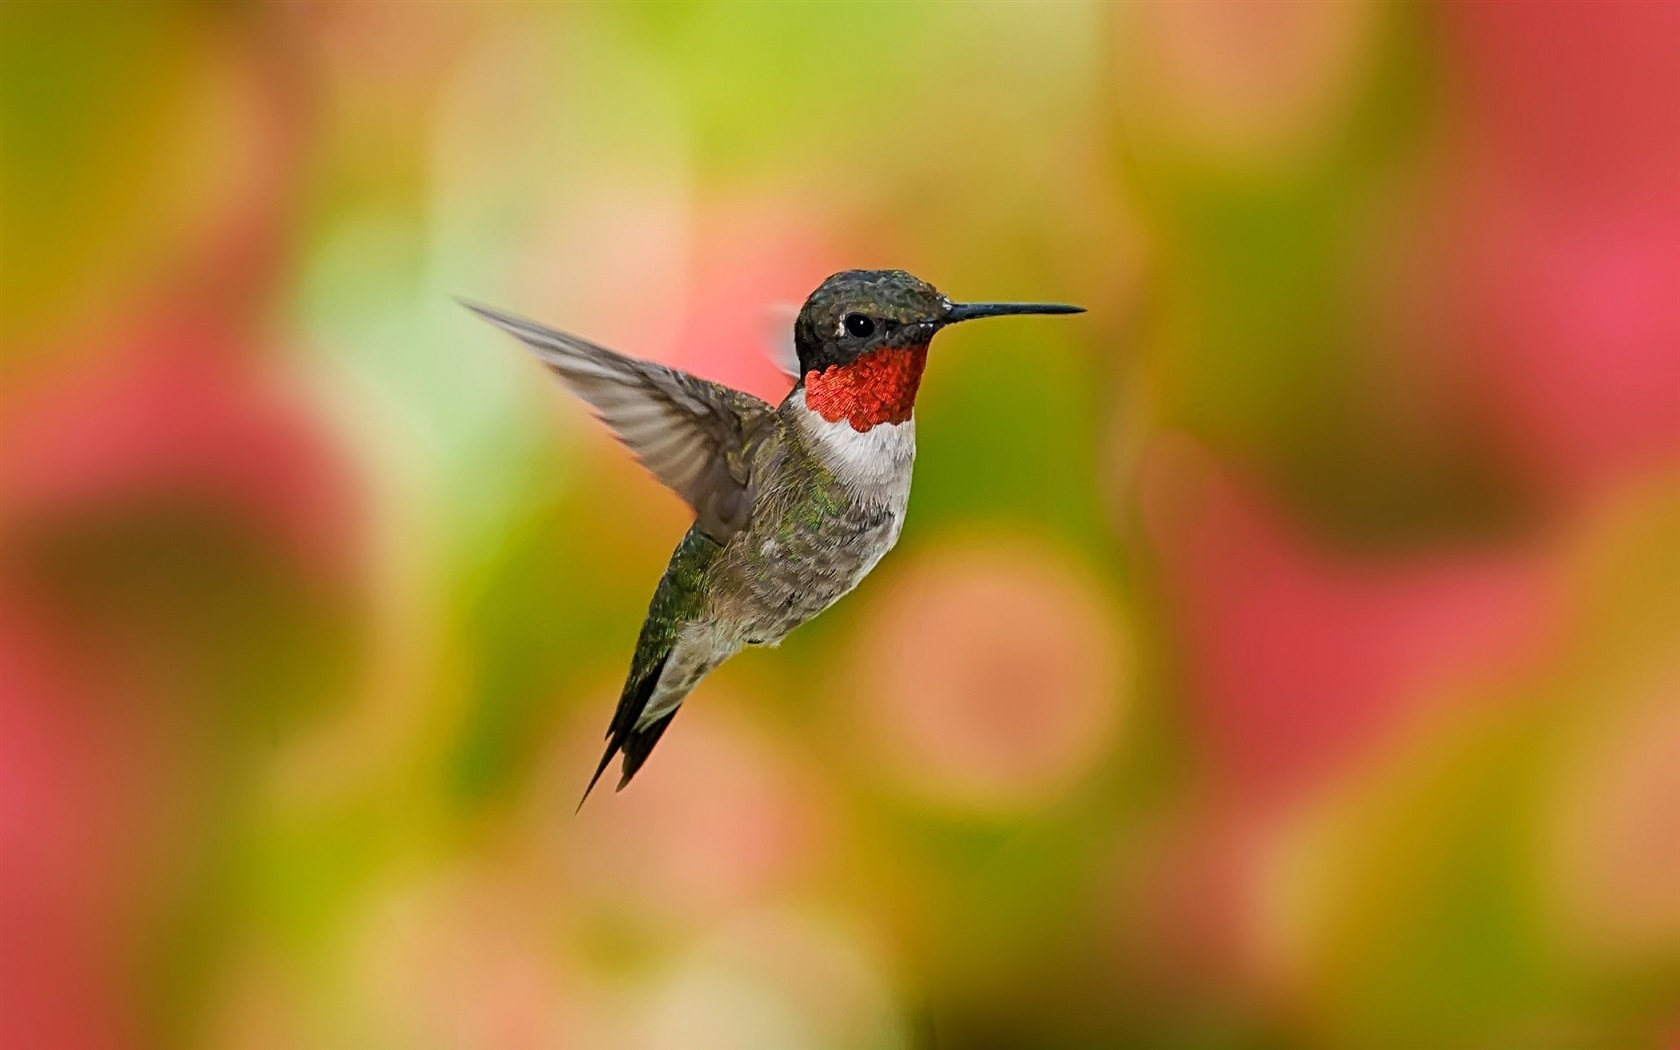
691 433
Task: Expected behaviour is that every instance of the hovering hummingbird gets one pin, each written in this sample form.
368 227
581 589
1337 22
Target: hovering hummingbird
794 504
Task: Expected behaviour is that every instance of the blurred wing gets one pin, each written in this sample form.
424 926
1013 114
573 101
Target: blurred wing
778 339
695 436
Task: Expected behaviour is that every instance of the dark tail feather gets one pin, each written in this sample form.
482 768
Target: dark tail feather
622 734
639 745
636 745
612 749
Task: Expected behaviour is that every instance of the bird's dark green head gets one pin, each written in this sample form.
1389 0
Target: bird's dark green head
857 311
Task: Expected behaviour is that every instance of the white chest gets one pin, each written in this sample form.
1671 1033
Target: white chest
875 465
874 462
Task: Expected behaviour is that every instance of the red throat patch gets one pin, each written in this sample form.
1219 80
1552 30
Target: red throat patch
879 387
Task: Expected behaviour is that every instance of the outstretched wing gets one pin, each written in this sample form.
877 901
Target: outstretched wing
696 436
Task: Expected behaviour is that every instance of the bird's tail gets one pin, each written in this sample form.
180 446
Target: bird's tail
622 735
678 600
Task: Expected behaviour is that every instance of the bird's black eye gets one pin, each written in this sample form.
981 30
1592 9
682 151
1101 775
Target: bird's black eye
859 325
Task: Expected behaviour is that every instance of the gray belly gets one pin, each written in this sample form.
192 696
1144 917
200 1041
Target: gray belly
785 574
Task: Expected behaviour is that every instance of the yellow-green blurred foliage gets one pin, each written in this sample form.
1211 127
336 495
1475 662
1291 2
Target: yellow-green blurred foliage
1286 653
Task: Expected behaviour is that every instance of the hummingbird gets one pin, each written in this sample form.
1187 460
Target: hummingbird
793 504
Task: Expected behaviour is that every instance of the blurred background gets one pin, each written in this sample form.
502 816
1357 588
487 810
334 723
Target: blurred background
1284 654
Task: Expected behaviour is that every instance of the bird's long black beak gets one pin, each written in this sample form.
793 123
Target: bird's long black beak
970 311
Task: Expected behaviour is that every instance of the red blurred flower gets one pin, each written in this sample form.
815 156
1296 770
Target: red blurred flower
153 497
990 675
1300 660
1565 236
172 411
